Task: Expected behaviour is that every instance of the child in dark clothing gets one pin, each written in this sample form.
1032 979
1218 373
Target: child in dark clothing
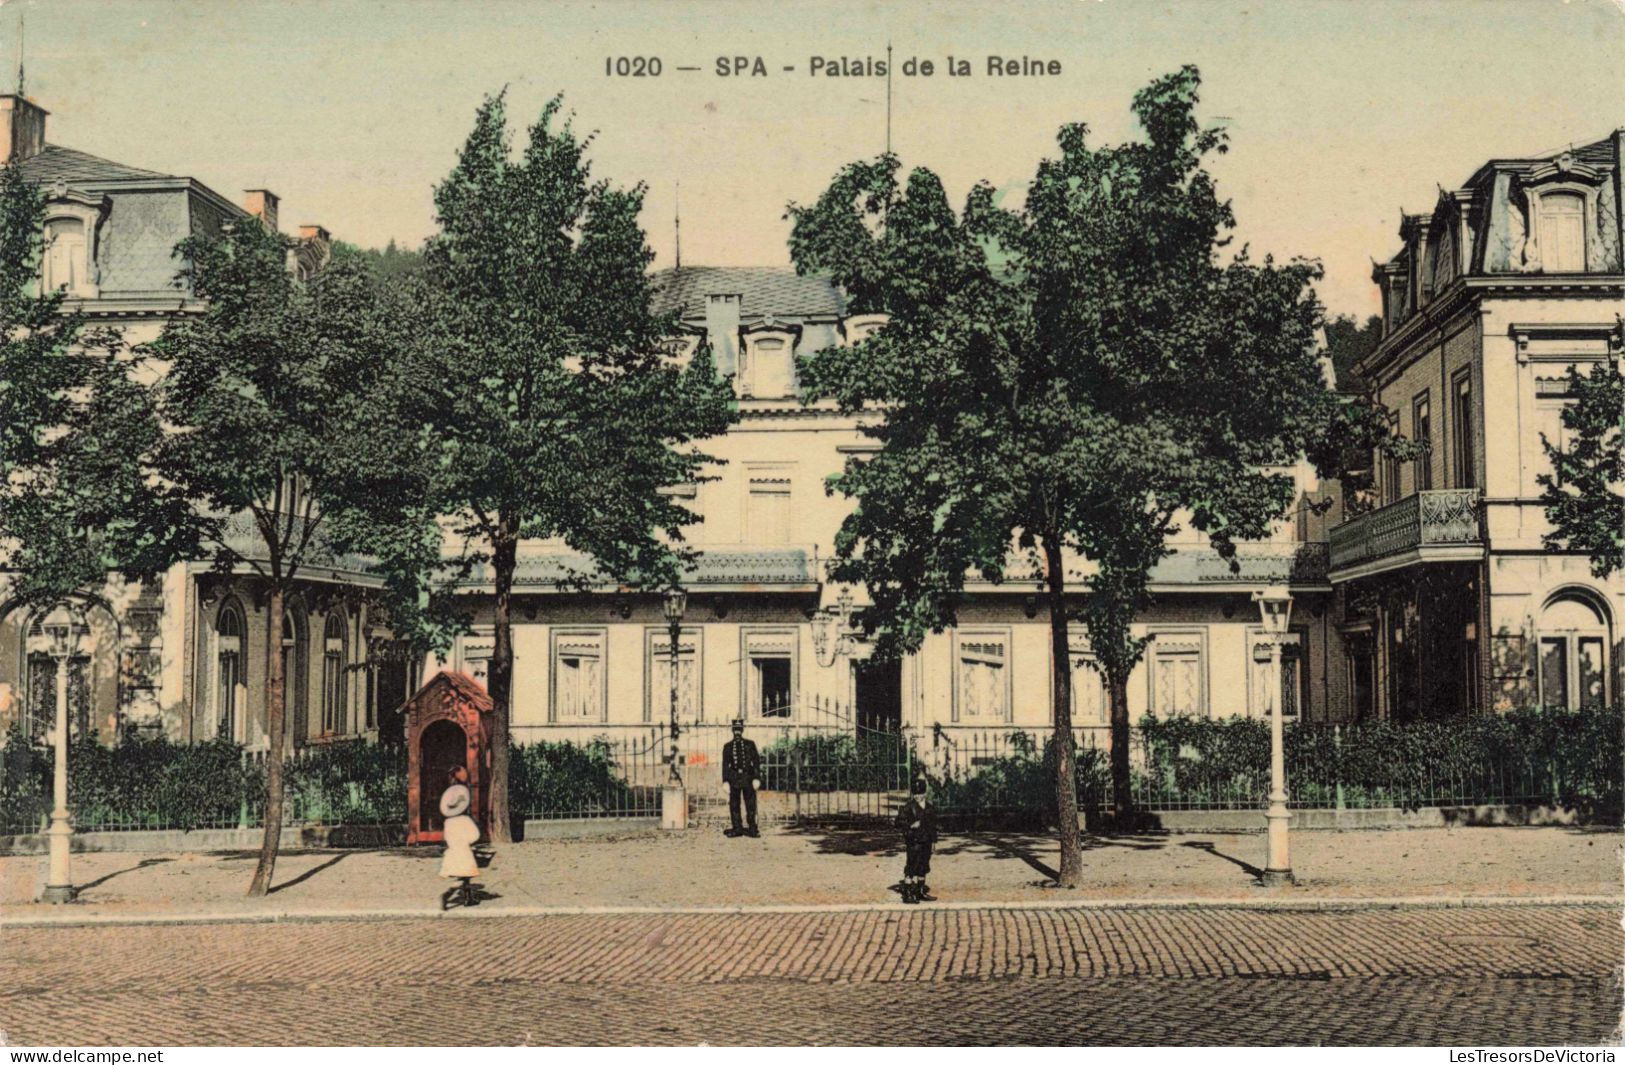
918 822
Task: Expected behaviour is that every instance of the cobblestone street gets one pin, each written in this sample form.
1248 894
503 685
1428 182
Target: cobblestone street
1502 975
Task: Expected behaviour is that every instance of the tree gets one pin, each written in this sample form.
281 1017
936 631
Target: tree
554 408
1347 342
77 496
391 263
276 397
1074 378
1583 496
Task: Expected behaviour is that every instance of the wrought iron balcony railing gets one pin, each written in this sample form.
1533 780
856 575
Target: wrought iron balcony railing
1435 525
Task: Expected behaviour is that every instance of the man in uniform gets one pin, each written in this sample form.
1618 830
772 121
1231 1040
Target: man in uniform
918 821
742 772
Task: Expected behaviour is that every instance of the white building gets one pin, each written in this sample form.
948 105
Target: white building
762 638
187 654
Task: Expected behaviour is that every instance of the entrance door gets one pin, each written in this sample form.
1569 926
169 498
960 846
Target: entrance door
877 691
443 746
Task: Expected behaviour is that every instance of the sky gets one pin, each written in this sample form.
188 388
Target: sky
1340 113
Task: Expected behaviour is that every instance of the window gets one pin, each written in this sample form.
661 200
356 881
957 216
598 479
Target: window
1422 433
982 678
657 697
579 678
769 657
63 265
474 657
1391 467
295 674
1562 233
768 371
1294 675
1091 700
334 721
1362 676
1177 672
1572 655
39 702
1462 418
767 509
228 686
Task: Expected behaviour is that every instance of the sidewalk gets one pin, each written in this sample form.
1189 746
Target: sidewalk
835 868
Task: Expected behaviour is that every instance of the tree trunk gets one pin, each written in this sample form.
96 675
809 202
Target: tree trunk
1122 790
504 556
1066 772
275 712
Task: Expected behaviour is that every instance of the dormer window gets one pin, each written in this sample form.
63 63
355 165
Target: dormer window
767 367
65 266
68 255
1562 233
861 327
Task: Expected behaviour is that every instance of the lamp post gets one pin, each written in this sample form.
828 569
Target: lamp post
1275 609
63 627
674 797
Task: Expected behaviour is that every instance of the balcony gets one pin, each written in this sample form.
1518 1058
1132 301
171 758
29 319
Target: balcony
1437 526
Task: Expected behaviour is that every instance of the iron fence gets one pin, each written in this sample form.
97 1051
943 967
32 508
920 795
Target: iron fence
590 776
825 763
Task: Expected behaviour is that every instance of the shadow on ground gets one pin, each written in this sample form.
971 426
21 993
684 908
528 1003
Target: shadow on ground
1020 846
144 863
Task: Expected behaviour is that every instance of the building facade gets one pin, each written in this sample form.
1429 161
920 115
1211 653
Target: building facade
767 637
185 655
1435 597
1448 598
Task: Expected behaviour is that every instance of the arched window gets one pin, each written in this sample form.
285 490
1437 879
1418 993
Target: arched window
64 264
295 686
333 716
1572 660
39 701
1562 233
228 673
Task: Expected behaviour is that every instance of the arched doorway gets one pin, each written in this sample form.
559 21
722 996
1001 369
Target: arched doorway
444 745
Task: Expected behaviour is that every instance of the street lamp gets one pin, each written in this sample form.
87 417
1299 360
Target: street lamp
63 627
1275 609
675 605
674 796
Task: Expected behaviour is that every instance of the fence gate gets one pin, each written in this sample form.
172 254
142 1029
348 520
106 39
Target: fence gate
822 763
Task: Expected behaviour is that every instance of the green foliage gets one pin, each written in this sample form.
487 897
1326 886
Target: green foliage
390 263
823 762
25 784
78 499
550 779
350 782
1067 376
1020 784
284 397
1347 342
1571 759
548 404
1585 495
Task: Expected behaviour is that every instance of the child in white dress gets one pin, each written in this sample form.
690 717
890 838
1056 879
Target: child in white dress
461 834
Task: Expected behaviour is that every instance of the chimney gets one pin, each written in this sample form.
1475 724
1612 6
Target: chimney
23 133
261 203
722 329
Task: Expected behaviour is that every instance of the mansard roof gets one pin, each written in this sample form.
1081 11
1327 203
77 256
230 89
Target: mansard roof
776 291
57 163
1594 153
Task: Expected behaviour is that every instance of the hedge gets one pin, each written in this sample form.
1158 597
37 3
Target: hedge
151 783
1574 760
